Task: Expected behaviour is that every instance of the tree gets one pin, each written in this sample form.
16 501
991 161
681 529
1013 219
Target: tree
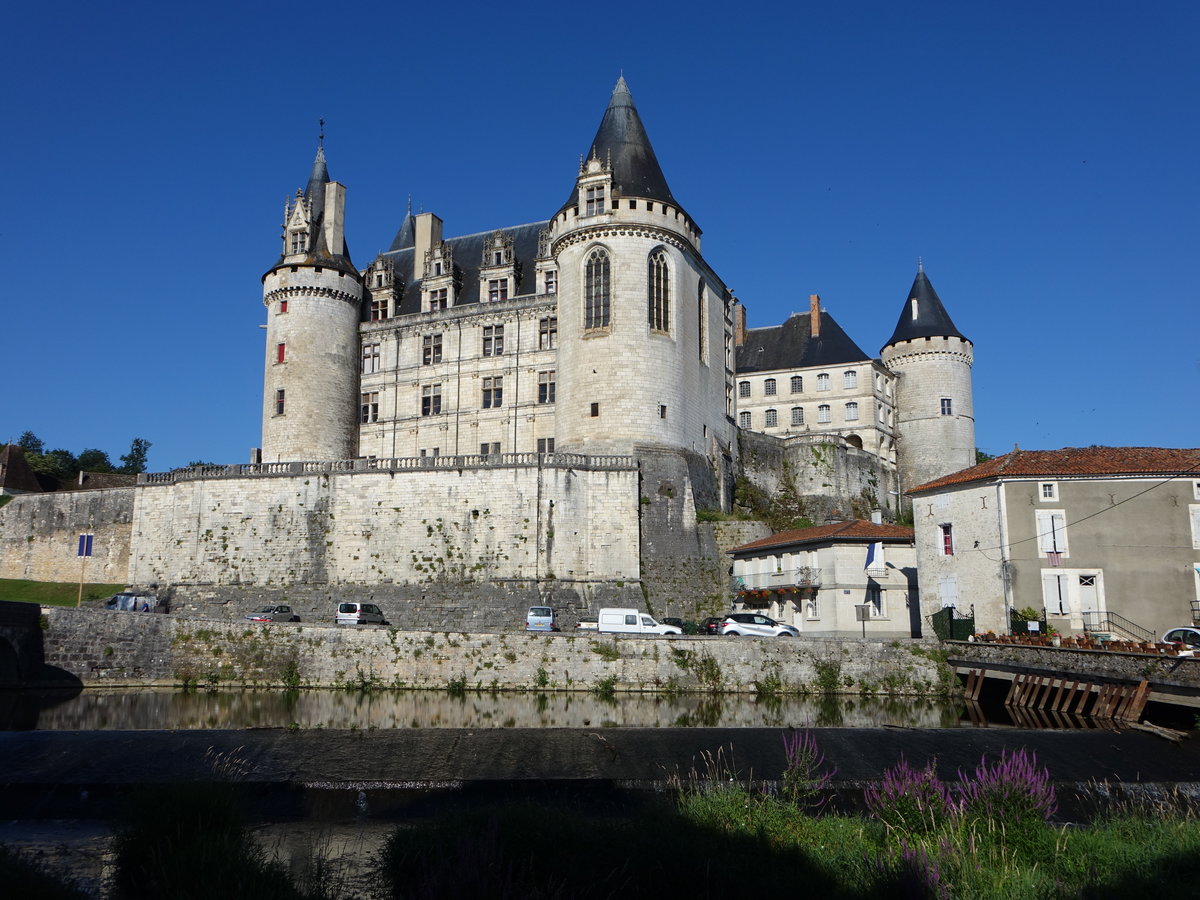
59 463
982 456
31 444
95 461
135 459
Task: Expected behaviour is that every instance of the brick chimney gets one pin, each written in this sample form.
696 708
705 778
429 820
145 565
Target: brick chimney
814 315
739 324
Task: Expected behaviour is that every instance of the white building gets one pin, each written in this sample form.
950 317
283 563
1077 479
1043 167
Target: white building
1100 538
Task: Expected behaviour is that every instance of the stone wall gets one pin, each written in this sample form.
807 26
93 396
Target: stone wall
144 649
830 476
39 535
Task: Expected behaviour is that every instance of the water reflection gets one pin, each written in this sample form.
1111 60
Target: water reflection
120 710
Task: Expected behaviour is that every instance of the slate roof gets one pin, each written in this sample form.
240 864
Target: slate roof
792 346
1072 462
856 531
17 476
622 139
467 251
319 253
931 319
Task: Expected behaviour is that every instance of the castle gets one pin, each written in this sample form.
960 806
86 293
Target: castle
538 412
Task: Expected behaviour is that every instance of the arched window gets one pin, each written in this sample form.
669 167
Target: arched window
772 418
797 384
851 412
823 414
769 387
659 295
596 290
743 418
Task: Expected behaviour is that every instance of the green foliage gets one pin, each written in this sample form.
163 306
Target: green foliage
135 460
542 679
608 651
829 675
51 593
291 674
95 461
30 444
982 456
606 688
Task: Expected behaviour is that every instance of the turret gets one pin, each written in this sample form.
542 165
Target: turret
313 295
644 324
935 411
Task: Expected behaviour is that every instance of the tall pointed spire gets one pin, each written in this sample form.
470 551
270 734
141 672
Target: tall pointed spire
923 314
622 141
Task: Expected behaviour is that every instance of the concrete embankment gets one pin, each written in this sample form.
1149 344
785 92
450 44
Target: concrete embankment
97 647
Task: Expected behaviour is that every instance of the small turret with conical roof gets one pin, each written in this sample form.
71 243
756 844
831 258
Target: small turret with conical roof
935 409
313 295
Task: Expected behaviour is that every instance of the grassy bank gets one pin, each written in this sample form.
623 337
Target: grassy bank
52 593
991 834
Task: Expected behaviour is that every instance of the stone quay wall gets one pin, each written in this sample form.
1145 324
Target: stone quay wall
128 649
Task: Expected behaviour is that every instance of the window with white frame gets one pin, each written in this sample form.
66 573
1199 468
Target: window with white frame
380 307
546 387
545 445
594 198
743 389
797 384
1196 489
369 408
769 387
1055 596
370 359
743 420
947 407
813 607
552 282
497 289
772 418
874 598
493 340
823 382
431 399
438 298
797 415
548 333
1048 490
493 392
851 412
1195 515
431 349
1051 531
850 379
824 414
946 535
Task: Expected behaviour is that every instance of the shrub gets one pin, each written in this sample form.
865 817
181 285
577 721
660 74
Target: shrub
915 801
805 779
1011 790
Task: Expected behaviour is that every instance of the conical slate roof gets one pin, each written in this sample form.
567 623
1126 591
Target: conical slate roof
314 192
318 252
406 237
622 139
923 314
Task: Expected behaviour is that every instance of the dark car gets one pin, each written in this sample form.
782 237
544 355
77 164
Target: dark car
134 601
711 625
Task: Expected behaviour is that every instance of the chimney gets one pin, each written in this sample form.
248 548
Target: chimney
427 235
739 324
876 517
814 315
335 218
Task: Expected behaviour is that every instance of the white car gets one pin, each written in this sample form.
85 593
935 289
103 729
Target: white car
359 614
757 625
1187 639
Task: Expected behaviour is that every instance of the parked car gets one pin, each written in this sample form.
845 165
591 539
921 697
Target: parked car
711 625
1187 638
587 623
278 613
351 613
541 618
630 621
736 624
136 601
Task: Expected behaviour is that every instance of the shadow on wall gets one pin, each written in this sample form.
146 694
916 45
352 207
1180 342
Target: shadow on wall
23 667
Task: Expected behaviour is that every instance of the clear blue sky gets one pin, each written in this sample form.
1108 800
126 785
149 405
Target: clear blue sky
1040 157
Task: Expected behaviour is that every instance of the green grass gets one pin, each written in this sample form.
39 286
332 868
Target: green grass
53 593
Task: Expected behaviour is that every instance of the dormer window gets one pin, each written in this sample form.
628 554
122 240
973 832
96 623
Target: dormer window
299 242
437 267
438 299
497 289
552 282
595 200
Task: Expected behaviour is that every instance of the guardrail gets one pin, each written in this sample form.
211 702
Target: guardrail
396 464
804 576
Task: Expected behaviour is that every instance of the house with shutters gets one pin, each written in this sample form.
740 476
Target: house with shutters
1100 538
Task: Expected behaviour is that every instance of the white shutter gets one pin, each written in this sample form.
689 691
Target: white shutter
1195 510
948 590
1052 531
1054 594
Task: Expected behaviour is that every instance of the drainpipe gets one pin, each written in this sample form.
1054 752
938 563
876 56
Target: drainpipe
1002 530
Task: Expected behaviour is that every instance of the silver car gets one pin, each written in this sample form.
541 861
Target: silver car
278 613
757 625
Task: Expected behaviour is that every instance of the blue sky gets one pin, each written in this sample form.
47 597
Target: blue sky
1041 158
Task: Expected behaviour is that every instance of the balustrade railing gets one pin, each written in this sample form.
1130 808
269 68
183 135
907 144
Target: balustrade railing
397 464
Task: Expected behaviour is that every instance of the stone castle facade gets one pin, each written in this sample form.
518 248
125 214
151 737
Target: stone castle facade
544 407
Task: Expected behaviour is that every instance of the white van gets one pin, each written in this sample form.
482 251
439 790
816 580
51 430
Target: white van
630 621
359 614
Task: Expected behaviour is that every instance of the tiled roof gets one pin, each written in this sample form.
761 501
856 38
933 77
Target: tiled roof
1075 462
856 531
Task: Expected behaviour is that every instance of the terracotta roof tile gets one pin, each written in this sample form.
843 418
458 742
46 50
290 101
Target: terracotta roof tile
854 531
1075 461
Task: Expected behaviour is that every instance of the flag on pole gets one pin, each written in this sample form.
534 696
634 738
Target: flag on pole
874 555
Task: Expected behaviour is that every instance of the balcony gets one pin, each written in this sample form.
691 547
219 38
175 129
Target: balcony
786 579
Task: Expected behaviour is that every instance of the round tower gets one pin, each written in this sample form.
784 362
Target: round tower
935 411
313 296
643 323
